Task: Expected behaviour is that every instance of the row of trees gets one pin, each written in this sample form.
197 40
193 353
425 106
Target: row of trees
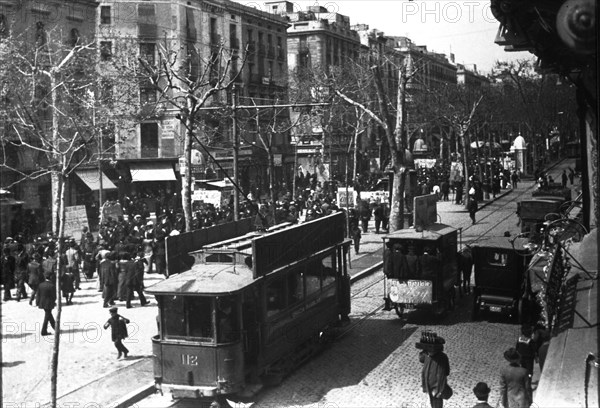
67 103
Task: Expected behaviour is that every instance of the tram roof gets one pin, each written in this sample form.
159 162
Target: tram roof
433 232
206 279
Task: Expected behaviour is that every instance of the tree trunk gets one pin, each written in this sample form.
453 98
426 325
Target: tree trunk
271 169
397 205
186 180
57 182
465 148
61 233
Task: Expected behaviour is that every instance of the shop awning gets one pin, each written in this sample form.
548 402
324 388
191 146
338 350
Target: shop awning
152 172
91 179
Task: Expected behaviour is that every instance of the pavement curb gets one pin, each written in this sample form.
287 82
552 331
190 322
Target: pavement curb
130 399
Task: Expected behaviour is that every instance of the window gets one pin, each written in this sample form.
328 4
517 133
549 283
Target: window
149 139
74 37
147 94
105 50
214 37
227 320
233 40
199 317
187 316
105 15
4 32
148 52
275 296
295 287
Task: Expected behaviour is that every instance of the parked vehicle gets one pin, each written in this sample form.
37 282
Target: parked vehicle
251 308
420 269
500 284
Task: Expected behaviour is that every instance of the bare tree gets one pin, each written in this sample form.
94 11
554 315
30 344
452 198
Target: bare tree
45 114
188 85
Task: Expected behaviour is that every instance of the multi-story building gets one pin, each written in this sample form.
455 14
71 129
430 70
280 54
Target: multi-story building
467 75
248 40
50 27
316 40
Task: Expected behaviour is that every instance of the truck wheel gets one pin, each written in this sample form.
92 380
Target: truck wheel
399 310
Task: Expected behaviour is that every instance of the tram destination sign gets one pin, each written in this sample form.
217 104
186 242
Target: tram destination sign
281 248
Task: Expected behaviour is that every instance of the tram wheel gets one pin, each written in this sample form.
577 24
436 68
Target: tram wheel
399 310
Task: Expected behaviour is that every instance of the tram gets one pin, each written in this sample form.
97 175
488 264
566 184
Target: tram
251 309
420 269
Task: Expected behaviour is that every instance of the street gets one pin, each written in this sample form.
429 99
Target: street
375 364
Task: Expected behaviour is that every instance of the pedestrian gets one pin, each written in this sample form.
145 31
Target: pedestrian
35 275
67 284
110 279
526 348
365 215
514 178
356 235
21 262
571 176
445 188
73 258
118 327
434 376
472 207
122 266
482 393
46 300
542 339
515 383
133 282
564 178
8 272
378 212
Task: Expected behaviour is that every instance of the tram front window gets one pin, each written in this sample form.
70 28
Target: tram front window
199 313
187 316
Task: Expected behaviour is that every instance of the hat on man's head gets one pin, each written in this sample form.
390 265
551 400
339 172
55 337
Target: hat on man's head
481 390
512 355
137 216
113 309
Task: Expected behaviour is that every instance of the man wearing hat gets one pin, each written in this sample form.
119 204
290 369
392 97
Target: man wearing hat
482 392
46 300
434 377
118 327
515 383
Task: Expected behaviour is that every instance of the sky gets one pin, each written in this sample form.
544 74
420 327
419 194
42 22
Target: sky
466 28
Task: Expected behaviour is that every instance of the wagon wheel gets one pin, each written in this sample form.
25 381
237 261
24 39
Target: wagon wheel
399 310
564 229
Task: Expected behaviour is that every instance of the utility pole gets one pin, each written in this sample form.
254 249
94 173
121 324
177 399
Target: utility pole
236 148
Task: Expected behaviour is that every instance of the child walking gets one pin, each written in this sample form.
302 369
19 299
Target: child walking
118 325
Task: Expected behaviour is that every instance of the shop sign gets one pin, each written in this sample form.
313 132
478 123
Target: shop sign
278 159
169 128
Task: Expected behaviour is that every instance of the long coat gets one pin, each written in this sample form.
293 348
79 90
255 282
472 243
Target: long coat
46 296
436 369
36 275
515 387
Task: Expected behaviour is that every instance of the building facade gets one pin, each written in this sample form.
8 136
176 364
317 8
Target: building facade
317 40
50 28
250 46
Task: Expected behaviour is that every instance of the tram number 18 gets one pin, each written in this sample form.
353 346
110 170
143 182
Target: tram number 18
189 359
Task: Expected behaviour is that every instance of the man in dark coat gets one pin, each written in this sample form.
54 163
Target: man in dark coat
21 262
8 272
379 214
434 377
46 300
118 326
515 383
35 274
108 271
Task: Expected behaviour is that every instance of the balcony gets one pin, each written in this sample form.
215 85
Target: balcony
251 46
281 54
